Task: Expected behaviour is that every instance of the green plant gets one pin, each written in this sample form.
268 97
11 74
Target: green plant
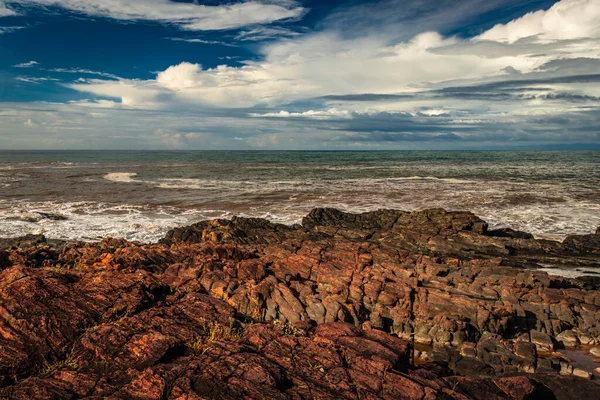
287 328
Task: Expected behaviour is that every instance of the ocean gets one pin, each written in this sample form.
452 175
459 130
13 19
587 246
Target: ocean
139 195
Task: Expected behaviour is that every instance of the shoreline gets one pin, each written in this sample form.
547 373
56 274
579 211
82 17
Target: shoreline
386 278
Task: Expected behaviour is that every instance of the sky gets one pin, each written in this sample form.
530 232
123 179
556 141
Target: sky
299 74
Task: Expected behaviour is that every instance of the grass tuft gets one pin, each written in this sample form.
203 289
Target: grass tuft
211 333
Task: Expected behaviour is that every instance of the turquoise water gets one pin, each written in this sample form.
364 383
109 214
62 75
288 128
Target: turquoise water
140 194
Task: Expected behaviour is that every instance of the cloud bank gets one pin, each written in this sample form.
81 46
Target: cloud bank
533 80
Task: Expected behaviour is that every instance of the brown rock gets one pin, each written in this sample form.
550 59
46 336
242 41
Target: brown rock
228 309
517 387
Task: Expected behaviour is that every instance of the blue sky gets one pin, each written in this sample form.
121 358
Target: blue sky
291 74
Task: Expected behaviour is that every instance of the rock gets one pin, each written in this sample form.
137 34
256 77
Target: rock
595 351
584 243
566 368
582 373
526 351
468 350
38 216
245 308
23 242
382 219
568 338
517 387
542 341
509 233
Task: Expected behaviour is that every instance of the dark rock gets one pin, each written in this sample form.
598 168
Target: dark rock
584 243
37 216
24 242
383 219
509 233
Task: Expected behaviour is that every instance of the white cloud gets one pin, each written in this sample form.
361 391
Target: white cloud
311 114
28 64
132 93
35 80
82 71
316 65
567 19
4 11
188 16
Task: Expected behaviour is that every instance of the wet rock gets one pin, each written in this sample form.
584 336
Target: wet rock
584 243
22 242
509 233
38 216
582 373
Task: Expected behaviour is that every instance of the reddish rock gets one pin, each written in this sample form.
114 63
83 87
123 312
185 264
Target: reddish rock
250 309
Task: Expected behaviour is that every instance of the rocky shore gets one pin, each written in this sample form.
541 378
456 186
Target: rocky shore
382 305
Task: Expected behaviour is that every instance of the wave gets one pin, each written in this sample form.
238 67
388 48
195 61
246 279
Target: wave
90 221
205 184
431 178
121 177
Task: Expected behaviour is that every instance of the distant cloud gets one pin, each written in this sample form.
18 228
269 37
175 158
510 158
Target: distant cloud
188 16
28 64
265 33
82 71
34 80
367 97
311 114
399 137
201 41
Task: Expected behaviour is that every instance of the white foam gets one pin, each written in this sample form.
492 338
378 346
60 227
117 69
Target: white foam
576 272
95 221
122 177
431 178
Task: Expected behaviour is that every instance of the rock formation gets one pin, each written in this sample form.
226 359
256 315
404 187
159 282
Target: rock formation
386 304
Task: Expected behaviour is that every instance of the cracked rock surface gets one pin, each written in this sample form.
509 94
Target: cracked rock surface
332 308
